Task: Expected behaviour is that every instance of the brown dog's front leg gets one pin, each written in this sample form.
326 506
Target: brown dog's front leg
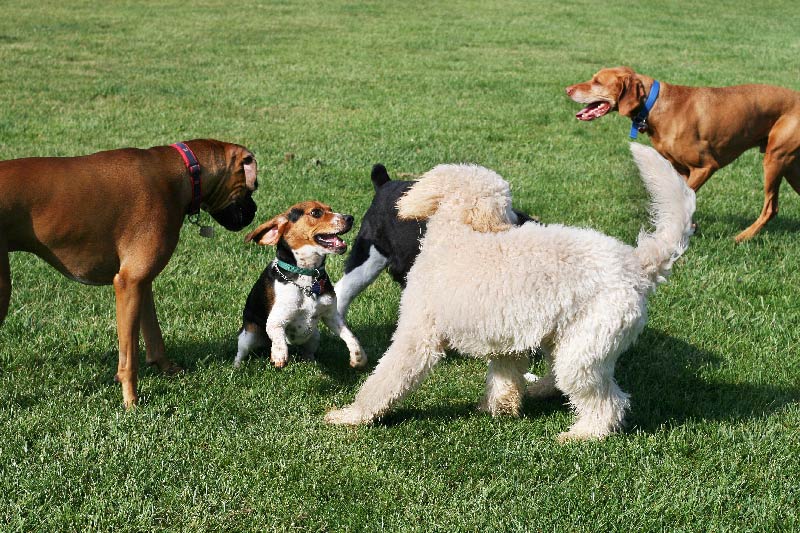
151 331
129 302
5 283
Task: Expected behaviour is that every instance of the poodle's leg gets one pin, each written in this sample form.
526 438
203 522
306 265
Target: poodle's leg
505 385
542 386
584 370
250 338
335 322
404 365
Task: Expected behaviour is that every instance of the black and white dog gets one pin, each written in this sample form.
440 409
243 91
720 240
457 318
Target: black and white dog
384 241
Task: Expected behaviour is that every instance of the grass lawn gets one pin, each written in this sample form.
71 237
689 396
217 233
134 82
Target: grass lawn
713 442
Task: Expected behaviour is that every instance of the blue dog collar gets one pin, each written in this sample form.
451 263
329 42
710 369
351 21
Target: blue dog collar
640 122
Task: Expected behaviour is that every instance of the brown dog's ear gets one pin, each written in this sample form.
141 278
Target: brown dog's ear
631 97
270 232
250 167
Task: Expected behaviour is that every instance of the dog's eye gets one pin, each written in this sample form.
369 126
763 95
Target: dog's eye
248 160
316 212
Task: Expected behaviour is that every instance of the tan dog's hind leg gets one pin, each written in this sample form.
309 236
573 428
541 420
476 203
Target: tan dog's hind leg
129 295
151 331
773 170
5 282
793 175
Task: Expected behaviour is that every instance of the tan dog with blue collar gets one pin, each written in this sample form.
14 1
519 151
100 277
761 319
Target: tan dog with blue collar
294 292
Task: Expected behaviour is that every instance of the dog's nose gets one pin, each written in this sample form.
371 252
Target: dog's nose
570 90
348 219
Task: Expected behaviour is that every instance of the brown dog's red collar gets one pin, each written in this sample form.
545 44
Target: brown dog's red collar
194 171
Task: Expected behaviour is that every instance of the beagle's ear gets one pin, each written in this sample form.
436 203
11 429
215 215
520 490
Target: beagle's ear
421 201
270 232
631 96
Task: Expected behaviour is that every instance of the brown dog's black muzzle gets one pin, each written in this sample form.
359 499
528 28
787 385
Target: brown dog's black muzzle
238 214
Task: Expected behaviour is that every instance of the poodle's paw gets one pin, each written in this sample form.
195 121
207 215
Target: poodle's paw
580 434
506 406
540 387
358 359
348 416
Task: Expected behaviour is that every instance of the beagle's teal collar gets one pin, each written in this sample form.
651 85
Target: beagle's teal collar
316 273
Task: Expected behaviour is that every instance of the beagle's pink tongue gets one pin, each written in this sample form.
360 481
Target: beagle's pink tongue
332 241
593 111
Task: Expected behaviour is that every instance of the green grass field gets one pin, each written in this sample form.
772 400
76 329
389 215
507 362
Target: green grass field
713 442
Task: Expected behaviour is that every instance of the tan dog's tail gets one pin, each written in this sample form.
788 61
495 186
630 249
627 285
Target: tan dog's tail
672 205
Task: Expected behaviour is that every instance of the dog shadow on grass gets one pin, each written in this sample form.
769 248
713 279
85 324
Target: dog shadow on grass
671 381
665 376
782 224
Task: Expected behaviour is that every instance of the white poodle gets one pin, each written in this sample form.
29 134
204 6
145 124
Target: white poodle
491 290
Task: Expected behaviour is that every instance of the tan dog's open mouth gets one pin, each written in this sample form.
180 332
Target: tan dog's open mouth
593 111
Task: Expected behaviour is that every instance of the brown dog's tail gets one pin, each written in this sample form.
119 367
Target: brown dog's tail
672 205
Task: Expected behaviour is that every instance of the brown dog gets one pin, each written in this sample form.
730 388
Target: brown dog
114 217
702 129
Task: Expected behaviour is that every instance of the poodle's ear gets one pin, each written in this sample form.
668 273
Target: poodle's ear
421 201
270 232
487 216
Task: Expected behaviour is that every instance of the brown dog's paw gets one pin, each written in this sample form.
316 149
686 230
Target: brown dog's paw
167 367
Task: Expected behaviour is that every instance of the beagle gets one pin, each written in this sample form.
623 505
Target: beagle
294 291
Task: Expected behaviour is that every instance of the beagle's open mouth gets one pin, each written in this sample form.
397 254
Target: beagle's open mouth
593 111
331 241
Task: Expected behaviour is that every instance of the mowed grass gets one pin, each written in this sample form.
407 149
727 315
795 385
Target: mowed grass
713 442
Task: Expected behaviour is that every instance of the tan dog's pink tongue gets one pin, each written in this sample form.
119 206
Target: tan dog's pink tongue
593 111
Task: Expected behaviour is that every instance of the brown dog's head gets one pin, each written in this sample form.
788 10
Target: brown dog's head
228 179
611 89
308 229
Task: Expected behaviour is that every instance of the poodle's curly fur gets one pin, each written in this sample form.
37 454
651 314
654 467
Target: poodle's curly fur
491 290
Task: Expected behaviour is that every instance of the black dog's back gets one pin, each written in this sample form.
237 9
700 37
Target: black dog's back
384 241
396 239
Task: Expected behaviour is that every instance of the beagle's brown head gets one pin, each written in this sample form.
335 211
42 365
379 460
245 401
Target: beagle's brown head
311 225
610 89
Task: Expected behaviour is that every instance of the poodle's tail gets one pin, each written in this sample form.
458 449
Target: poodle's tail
672 205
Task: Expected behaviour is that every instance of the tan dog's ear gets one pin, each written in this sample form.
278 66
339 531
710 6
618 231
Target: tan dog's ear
270 232
421 201
631 96
487 216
